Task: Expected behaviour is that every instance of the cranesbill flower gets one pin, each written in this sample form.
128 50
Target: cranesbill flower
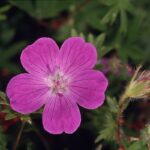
59 80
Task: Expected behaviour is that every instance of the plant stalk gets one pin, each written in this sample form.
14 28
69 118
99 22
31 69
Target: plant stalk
122 106
19 136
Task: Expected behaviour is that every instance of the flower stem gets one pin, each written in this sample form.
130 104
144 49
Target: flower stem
41 137
122 106
19 136
148 145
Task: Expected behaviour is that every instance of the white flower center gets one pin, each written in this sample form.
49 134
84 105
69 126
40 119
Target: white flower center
58 83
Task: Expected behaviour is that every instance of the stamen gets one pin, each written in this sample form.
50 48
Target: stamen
58 83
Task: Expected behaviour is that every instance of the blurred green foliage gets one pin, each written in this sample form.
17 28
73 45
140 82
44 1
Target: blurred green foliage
124 25
4 9
109 126
43 9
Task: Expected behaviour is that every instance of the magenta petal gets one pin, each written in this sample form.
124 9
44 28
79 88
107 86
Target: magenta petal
61 114
76 54
26 93
40 57
88 88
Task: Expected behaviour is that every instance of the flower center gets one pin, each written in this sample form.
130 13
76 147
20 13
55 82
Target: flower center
58 83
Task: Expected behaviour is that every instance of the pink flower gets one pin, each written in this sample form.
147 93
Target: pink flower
58 79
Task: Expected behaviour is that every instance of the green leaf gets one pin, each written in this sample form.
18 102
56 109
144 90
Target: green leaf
63 32
42 9
2 17
112 104
124 21
100 40
6 111
102 51
82 35
3 140
90 38
7 35
87 16
13 50
10 116
110 16
74 32
4 8
108 2
138 145
3 96
109 130
125 5
109 127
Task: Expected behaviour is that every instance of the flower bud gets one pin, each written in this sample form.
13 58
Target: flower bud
139 87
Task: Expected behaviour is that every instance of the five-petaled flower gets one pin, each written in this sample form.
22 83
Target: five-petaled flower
59 79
